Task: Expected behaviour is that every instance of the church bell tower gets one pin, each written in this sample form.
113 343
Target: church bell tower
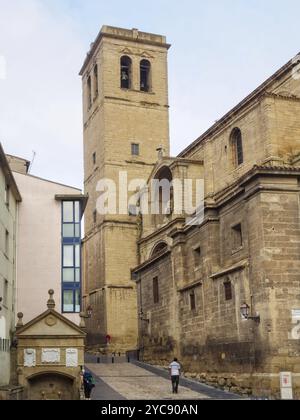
125 121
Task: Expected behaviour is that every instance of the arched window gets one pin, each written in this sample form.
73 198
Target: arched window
164 192
145 75
89 92
126 65
159 248
96 86
237 147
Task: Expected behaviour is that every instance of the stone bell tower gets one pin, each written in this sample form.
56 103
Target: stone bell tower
126 118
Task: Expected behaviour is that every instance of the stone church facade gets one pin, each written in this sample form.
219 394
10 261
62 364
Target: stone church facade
223 295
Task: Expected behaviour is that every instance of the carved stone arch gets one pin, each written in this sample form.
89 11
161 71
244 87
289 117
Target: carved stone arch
51 385
50 372
159 248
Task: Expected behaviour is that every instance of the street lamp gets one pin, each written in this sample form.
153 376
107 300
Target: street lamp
245 313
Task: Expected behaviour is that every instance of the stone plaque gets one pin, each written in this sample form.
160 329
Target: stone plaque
50 356
29 358
296 314
286 380
72 358
286 385
287 394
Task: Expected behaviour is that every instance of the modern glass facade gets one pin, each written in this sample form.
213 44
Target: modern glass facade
71 256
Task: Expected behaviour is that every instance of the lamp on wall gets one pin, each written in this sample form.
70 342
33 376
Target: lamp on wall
142 317
245 313
88 313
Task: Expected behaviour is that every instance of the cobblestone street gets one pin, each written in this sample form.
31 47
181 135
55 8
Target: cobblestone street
125 381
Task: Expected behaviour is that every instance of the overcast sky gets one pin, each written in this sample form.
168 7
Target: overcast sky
221 51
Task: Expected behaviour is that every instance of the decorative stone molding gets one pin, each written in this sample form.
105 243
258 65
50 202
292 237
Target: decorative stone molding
50 321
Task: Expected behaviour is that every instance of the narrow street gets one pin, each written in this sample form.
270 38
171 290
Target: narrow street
137 381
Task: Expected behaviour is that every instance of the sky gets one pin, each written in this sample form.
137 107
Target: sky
221 51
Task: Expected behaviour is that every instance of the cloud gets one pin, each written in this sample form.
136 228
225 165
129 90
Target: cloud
40 97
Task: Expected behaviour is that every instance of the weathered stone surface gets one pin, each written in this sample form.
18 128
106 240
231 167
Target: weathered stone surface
116 119
250 239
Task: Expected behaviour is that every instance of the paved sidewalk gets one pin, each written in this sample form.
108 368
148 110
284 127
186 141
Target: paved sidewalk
143 382
103 392
210 392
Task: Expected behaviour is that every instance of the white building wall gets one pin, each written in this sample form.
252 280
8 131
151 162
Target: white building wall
39 257
7 274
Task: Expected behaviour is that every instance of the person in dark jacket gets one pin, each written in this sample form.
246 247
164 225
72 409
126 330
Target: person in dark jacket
88 385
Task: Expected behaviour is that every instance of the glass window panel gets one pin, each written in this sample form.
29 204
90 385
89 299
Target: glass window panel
68 301
68 255
77 212
68 231
77 231
77 255
68 211
77 275
77 301
68 275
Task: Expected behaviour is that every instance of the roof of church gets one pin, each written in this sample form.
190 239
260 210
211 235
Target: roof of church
262 89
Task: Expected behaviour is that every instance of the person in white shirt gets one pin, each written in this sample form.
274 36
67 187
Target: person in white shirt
175 370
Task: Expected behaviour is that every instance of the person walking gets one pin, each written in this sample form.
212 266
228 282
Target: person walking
175 371
88 385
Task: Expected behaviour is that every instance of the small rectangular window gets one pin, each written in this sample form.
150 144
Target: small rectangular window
135 149
68 275
6 249
77 275
95 216
155 290
89 92
193 301
77 233
6 195
237 237
96 82
68 230
94 158
68 214
68 301
68 257
228 291
5 293
77 211
197 256
77 256
77 301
